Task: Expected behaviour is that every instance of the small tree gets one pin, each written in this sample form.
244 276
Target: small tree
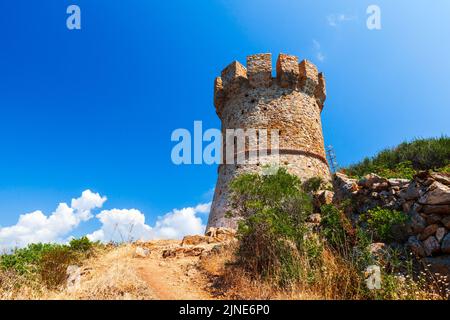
273 211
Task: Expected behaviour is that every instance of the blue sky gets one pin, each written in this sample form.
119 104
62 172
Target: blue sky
95 108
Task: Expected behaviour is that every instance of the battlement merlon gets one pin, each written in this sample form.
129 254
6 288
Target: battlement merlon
302 76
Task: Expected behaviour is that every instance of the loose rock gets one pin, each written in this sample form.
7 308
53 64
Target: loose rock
431 246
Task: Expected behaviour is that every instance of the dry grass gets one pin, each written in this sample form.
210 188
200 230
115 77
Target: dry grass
337 279
108 275
17 287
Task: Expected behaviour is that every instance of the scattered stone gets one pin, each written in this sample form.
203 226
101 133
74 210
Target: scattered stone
141 252
196 240
440 233
410 193
415 246
433 218
221 234
443 178
73 277
169 253
193 252
431 246
416 224
373 181
443 209
437 194
344 185
398 182
446 222
445 247
407 205
428 231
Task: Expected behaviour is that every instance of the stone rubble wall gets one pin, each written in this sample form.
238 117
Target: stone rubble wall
425 200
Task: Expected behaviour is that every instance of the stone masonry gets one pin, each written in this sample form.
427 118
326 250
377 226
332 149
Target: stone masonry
291 103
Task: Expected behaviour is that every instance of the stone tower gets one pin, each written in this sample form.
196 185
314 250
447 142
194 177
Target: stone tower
291 102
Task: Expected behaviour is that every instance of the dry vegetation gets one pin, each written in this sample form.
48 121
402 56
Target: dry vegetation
336 280
108 274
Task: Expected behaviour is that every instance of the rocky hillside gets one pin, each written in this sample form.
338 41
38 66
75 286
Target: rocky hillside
425 200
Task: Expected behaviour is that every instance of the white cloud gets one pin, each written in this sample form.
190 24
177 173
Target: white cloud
181 222
336 19
129 225
319 54
86 203
37 227
117 225
121 225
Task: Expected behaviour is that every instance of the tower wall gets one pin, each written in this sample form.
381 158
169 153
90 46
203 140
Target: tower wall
250 98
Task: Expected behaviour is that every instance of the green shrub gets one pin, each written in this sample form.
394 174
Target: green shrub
313 184
381 221
445 169
82 244
334 226
403 170
26 260
47 262
272 229
405 159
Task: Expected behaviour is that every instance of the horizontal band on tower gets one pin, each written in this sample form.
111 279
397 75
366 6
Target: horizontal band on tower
283 151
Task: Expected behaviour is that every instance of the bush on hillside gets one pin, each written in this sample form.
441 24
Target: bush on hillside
47 262
404 160
273 209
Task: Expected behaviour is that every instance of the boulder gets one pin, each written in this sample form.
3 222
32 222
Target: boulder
373 181
382 186
401 183
195 240
431 246
411 192
221 234
446 222
443 178
428 231
140 252
407 205
344 185
436 194
443 209
169 253
433 218
415 246
445 247
73 273
225 234
416 223
193 252
440 233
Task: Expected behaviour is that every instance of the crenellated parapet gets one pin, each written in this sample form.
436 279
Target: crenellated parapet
290 74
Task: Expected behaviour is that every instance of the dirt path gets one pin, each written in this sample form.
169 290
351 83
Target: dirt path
171 278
